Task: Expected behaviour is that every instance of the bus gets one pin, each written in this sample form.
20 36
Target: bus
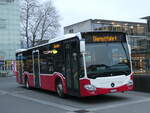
81 64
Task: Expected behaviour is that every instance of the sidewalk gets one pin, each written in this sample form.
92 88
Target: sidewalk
6 73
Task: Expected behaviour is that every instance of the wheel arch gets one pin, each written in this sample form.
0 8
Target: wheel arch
61 78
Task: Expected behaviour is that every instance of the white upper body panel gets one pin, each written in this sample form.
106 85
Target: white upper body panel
105 82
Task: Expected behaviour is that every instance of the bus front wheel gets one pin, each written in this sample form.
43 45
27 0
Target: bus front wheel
59 88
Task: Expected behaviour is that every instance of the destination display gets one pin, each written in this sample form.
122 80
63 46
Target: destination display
56 45
100 37
104 39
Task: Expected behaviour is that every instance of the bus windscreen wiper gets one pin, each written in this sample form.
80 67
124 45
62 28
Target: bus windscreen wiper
124 50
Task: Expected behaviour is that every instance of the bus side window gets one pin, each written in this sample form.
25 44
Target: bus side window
50 68
28 64
58 61
44 64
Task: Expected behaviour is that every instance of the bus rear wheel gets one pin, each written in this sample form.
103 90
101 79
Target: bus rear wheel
27 83
59 88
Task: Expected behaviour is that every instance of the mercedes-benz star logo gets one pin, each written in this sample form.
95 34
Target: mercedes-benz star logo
112 85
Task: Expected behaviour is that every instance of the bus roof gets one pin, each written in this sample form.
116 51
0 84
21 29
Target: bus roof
64 37
20 50
67 36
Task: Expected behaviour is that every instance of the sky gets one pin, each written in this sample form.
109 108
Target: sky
73 11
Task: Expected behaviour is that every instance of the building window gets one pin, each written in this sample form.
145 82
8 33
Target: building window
8 1
148 23
71 31
2 23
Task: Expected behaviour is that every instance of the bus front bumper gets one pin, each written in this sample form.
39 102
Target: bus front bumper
100 91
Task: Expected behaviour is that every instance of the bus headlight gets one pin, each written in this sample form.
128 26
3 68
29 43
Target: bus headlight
130 83
90 87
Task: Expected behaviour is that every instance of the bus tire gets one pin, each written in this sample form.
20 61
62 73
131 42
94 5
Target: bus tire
27 83
59 88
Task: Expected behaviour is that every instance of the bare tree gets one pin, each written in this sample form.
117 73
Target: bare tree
39 21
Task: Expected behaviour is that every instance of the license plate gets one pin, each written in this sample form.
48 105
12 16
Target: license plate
113 90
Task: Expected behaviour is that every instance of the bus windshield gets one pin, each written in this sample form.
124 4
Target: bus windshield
107 59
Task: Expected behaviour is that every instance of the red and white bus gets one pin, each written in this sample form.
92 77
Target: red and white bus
82 64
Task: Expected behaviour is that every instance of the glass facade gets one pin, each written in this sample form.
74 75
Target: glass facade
9 29
9 32
131 28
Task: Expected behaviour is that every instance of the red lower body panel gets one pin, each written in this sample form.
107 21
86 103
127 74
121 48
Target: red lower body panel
47 82
31 80
99 91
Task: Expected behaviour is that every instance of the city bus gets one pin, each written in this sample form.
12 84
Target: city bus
81 64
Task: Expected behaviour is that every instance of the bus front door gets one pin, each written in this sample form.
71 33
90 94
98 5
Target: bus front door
36 68
72 68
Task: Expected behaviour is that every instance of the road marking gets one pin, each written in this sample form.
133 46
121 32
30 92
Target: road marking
78 112
118 105
24 91
70 112
65 107
3 92
69 108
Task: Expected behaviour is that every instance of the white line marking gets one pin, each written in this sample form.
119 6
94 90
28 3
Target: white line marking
3 92
16 92
76 112
65 107
69 108
118 105
90 112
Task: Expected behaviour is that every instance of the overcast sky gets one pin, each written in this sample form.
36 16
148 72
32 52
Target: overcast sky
73 11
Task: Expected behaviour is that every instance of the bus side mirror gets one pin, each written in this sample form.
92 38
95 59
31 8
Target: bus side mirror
82 46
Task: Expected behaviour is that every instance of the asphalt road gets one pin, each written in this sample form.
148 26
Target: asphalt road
14 98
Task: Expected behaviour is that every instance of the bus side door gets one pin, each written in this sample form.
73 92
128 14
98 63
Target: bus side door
72 66
36 68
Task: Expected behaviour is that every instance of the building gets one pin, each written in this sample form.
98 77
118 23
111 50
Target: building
148 23
141 54
132 28
142 81
136 32
9 32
